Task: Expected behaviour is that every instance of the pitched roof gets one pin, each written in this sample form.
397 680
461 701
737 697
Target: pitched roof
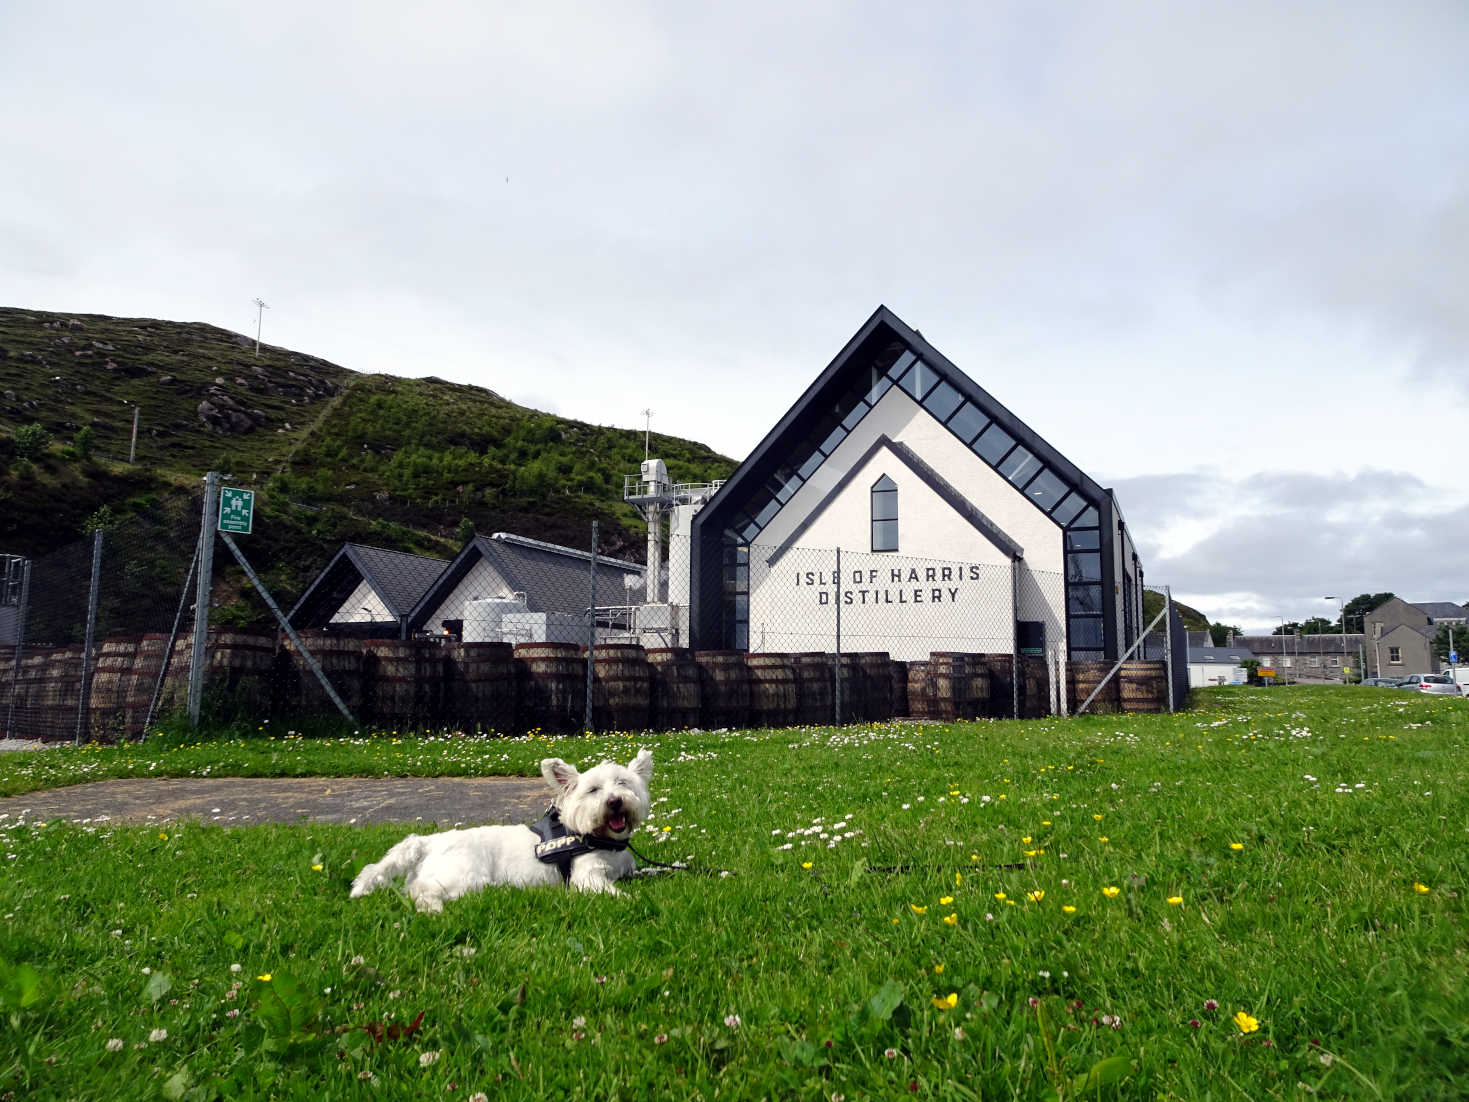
398 578
930 477
553 578
1220 655
1442 610
833 398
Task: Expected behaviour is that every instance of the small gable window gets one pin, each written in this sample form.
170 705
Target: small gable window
884 514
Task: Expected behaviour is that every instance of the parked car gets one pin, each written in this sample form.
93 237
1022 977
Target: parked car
1381 682
1435 684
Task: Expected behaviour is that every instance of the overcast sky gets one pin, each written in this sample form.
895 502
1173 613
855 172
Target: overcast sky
1218 254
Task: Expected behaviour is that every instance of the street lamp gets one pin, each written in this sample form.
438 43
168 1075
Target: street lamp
1342 609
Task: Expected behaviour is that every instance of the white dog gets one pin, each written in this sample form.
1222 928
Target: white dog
583 841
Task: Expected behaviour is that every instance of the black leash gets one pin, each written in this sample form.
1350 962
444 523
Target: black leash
678 866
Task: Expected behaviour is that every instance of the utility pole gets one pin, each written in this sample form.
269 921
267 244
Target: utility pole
260 309
1341 606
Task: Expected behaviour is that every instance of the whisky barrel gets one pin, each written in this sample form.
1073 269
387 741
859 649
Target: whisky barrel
952 676
108 699
1143 686
1035 684
724 684
1001 703
237 678
920 691
480 687
53 679
621 687
814 687
851 695
340 659
553 686
1082 678
773 689
877 674
674 693
898 678
142 682
392 684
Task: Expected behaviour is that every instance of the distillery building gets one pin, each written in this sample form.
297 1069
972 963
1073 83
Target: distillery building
899 506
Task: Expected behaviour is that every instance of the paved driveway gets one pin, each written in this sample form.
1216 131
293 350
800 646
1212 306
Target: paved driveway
239 801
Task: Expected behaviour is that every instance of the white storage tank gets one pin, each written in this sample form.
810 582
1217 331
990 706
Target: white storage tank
484 618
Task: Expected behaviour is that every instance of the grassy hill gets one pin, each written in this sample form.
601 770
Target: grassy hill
334 455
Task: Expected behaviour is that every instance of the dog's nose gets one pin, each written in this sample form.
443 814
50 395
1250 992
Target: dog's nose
614 803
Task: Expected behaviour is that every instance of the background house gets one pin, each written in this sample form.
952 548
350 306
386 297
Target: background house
1209 665
366 591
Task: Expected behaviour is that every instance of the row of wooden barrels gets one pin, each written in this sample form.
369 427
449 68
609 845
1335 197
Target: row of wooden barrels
397 684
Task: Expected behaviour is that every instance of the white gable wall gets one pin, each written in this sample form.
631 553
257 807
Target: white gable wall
364 606
479 582
974 610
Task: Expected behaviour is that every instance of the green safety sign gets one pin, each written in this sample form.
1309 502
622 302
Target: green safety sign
236 510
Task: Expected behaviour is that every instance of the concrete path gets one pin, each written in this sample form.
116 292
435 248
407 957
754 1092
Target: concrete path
240 801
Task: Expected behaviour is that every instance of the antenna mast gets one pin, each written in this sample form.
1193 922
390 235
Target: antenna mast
260 309
647 429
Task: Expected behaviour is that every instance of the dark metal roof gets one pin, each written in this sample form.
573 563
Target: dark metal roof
1220 655
398 578
552 577
935 481
1441 610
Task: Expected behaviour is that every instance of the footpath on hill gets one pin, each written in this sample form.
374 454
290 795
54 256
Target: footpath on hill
243 801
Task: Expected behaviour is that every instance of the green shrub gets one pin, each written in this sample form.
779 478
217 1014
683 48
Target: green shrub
31 441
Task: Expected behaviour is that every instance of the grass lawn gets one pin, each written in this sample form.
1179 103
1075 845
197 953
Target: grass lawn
1261 898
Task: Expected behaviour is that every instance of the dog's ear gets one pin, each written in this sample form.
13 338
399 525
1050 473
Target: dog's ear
642 765
559 775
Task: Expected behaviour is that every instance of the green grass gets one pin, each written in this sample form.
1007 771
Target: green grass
1340 801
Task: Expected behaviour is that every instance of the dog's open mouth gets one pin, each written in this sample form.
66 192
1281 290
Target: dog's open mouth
616 823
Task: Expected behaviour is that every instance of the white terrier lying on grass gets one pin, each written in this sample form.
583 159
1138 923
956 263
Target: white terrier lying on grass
582 840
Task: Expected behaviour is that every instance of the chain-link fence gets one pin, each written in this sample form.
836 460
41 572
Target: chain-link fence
517 634
91 635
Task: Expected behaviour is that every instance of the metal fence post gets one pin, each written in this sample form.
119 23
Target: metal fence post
84 698
1168 643
1015 639
837 678
20 638
591 624
202 594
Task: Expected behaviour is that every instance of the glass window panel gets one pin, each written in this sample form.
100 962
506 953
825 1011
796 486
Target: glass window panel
901 364
808 468
967 422
884 535
749 531
880 385
992 444
942 400
1083 540
919 379
1068 509
1086 631
859 411
742 636
1046 489
767 512
783 484
1084 566
1086 656
742 606
1088 519
884 499
1019 466
1084 600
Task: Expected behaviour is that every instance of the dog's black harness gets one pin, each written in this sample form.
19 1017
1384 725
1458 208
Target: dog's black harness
559 847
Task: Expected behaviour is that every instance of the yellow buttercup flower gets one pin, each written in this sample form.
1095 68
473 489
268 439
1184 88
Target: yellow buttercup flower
948 1002
315 868
1102 838
1035 896
1246 1023
938 969
916 909
1068 908
1111 892
805 864
1026 840
1000 896
958 879
945 900
1175 900
1421 889
951 919
265 978
1236 845
1097 817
